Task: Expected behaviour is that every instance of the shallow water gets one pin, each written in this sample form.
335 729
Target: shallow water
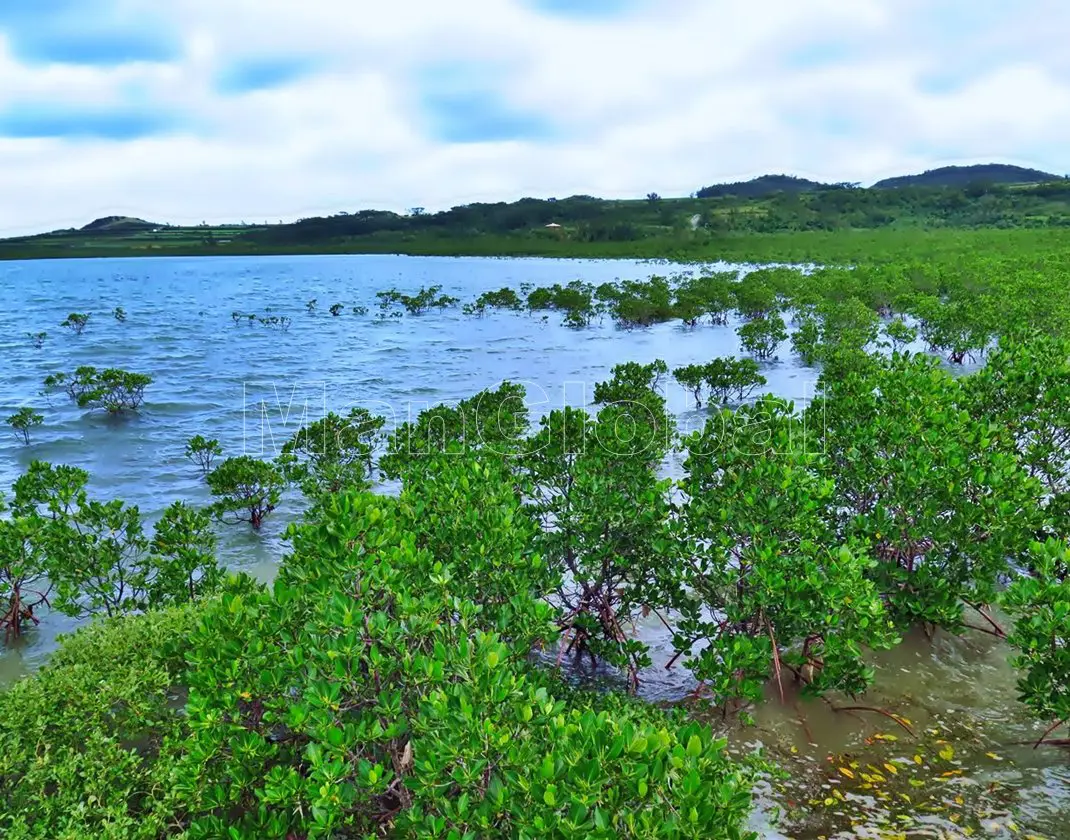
251 387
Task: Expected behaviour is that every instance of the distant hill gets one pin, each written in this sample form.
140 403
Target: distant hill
961 176
118 224
762 186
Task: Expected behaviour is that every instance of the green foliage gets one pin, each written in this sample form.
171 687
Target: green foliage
491 420
767 589
115 390
364 697
336 309
642 303
900 334
247 489
26 533
1040 604
604 513
183 566
85 743
119 314
504 298
333 454
925 485
960 329
575 300
83 557
762 335
806 341
708 295
23 420
727 378
37 339
310 306
76 322
755 297
418 304
1024 393
274 322
202 451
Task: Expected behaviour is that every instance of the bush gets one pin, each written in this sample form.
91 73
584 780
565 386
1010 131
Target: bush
768 592
247 489
76 322
115 390
86 743
762 335
364 696
1040 604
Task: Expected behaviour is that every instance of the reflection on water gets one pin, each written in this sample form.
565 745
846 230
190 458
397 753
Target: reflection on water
251 387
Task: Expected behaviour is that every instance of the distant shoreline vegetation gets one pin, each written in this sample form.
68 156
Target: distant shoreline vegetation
773 217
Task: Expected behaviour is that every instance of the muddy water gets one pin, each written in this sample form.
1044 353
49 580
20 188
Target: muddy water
962 771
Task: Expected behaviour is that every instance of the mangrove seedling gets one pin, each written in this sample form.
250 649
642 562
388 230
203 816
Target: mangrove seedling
336 309
311 305
22 421
37 339
76 322
119 314
202 452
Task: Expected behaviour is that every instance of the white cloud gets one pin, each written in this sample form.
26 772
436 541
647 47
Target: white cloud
673 97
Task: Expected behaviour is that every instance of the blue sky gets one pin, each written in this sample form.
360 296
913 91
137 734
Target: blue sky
228 110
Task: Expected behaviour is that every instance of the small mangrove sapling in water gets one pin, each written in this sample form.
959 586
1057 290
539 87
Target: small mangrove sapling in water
115 390
76 322
311 305
202 452
120 314
37 339
336 309
247 489
23 420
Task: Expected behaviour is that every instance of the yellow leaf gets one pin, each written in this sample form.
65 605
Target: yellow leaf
892 769
847 773
947 753
993 756
830 801
917 759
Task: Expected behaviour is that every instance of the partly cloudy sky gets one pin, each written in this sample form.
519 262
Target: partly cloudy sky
231 110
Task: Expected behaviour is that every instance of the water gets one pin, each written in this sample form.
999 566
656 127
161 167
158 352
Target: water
251 387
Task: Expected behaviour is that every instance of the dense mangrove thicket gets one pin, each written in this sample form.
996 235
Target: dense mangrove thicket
402 675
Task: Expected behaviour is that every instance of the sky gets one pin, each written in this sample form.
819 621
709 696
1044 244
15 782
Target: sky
268 110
